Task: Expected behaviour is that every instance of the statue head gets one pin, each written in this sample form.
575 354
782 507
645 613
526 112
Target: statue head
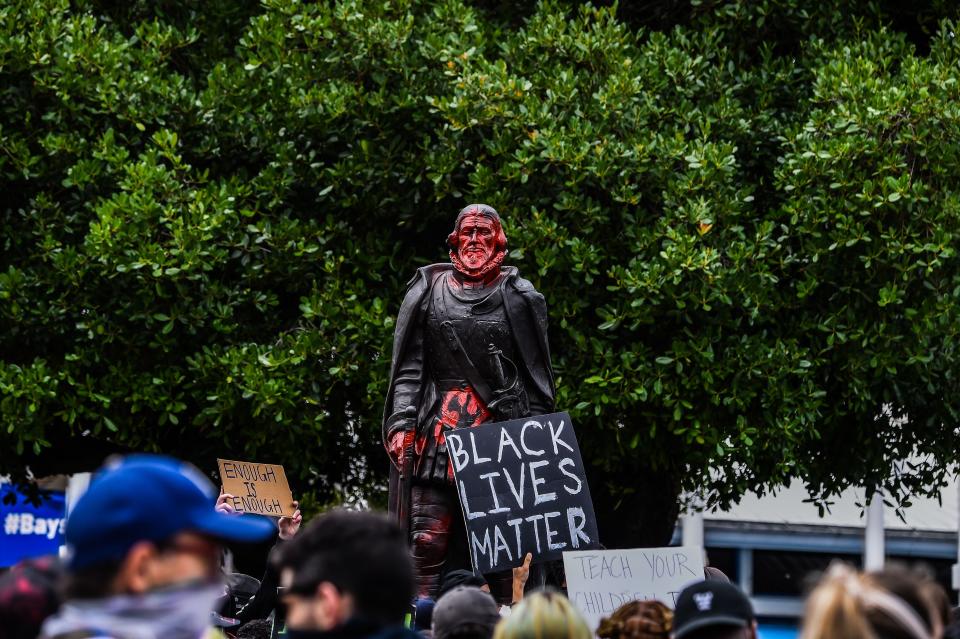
477 244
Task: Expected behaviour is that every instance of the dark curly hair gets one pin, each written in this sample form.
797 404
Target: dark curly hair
638 620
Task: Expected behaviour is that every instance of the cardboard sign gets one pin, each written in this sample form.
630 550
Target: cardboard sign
522 489
261 489
599 582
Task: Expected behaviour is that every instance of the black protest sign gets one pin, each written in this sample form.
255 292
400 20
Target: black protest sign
522 489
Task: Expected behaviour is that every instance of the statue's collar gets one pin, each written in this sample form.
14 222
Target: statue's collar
473 284
473 291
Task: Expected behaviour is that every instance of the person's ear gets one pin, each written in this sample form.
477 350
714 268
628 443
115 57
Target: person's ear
134 575
753 630
335 607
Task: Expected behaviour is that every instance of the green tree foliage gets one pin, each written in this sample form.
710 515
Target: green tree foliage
743 215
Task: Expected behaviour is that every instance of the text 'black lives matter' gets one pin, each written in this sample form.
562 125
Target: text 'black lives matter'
523 489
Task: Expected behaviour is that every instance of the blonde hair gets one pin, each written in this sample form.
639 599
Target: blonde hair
849 605
638 620
543 615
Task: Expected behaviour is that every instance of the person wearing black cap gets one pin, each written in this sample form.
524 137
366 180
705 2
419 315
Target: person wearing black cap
713 610
143 553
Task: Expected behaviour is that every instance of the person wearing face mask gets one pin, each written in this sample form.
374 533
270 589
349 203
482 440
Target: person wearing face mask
143 553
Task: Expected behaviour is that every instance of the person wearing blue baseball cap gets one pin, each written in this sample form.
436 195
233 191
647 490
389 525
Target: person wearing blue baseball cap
143 553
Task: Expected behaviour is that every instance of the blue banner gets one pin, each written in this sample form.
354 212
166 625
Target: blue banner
29 530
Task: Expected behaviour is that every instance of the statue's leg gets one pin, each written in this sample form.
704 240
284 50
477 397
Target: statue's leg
430 518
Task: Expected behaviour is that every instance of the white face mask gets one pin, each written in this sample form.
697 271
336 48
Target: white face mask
182 612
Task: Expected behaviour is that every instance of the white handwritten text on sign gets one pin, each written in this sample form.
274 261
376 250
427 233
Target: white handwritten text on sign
522 489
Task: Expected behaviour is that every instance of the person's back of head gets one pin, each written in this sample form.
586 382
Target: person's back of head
357 562
849 605
637 620
543 615
918 590
465 612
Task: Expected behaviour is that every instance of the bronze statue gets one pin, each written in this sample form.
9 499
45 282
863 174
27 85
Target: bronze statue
470 347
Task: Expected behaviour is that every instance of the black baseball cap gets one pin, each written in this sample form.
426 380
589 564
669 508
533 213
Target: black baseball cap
710 603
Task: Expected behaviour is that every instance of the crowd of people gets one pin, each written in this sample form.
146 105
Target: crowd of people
145 560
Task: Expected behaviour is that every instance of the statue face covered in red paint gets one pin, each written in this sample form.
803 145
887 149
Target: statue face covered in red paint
477 241
477 244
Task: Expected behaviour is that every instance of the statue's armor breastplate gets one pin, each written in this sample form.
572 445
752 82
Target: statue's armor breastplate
476 321
481 327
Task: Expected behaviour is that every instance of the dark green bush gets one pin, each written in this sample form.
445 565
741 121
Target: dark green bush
743 215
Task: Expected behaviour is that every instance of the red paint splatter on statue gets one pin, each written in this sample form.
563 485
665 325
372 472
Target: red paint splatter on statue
459 409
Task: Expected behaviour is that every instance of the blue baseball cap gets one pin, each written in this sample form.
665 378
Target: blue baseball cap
149 498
